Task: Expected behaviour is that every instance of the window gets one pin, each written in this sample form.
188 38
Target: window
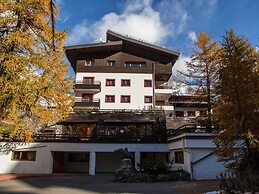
89 63
148 99
110 82
145 129
111 131
87 97
147 83
125 99
125 82
178 157
203 113
110 98
88 80
191 113
111 63
179 113
135 64
24 155
78 157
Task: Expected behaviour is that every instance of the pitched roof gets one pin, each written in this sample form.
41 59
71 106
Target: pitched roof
113 36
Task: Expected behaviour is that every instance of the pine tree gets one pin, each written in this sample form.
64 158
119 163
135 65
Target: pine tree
237 109
202 69
34 84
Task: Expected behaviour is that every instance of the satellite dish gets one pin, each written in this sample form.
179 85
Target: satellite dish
101 40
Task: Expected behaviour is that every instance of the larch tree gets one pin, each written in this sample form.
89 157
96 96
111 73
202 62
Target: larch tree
34 85
237 111
202 70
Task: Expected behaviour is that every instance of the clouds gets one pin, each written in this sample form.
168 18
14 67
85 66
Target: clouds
140 19
192 36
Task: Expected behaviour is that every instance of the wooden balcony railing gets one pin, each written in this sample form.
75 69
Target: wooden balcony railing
82 103
190 128
80 85
99 138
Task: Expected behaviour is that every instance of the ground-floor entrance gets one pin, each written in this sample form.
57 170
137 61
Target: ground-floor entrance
70 162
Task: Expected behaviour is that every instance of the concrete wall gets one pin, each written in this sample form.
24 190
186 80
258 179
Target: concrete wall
136 90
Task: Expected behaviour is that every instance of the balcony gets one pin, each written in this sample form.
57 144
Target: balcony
164 90
92 87
99 138
191 128
83 104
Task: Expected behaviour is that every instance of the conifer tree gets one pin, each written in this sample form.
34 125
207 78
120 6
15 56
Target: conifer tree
34 84
202 69
237 109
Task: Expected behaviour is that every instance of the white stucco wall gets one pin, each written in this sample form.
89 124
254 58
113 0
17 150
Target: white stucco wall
195 149
44 160
137 91
42 164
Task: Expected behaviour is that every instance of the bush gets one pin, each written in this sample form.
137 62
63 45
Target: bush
152 165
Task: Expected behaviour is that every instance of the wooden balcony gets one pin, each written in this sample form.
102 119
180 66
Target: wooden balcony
93 87
99 138
191 128
83 104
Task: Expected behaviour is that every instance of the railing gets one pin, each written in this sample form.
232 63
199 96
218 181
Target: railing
84 100
83 103
81 85
99 138
88 83
163 87
190 128
123 111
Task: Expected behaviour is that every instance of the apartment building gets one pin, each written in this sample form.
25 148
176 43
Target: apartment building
120 102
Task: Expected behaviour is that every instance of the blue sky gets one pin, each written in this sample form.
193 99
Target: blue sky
171 23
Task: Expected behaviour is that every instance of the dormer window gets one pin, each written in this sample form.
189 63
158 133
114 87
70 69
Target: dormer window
110 63
135 64
89 63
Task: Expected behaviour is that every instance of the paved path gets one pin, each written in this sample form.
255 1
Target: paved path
78 184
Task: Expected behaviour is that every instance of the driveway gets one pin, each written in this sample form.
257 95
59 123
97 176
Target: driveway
77 184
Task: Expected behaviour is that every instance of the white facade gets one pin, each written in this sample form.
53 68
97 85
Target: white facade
198 159
136 90
43 163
